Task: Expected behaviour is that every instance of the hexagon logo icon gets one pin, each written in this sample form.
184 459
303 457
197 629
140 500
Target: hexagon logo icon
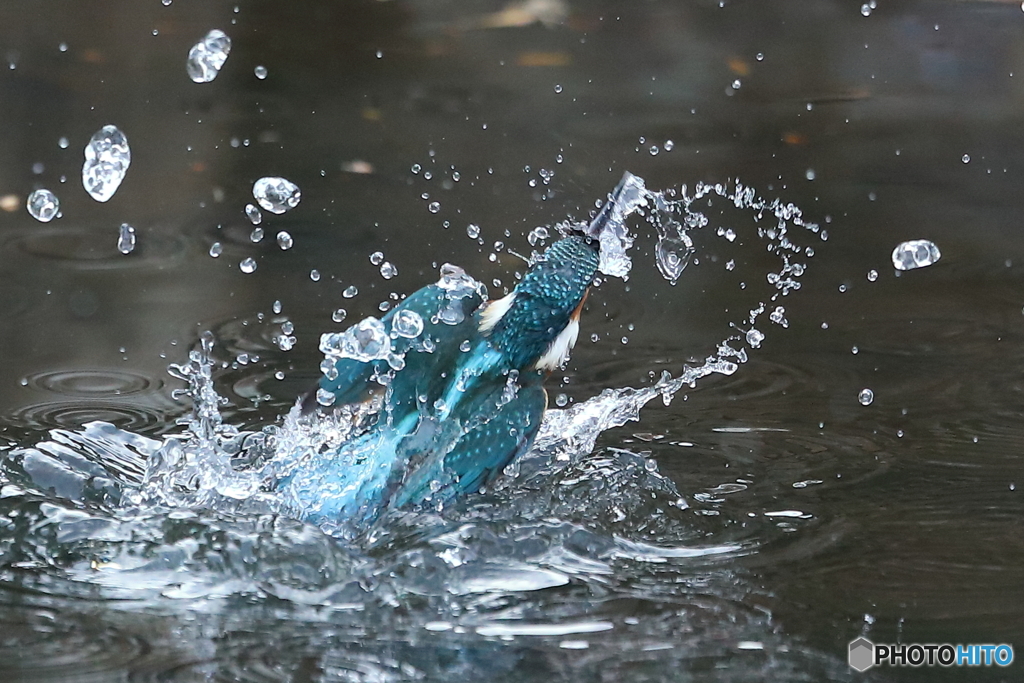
862 654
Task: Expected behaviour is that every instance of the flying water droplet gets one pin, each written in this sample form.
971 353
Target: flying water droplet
339 315
276 195
253 213
872 275
365 341
377 258
216 249
247 265
256 235
207 56
537 235
260 71
43 205
388 270
107 157
473 230
63 143
284 240
915 254
314 275
754 338
561 400
350 292
966 158
277 308
866 396
126 239
434 207
407 324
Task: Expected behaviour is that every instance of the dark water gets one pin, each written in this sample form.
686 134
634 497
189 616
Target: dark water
901 519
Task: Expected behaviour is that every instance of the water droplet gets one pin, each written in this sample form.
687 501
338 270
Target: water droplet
966 158
736 84
284 240
855 350
279 375
43 205
379 54
216 249
465 346
207 56
276 195
126 239
260 71
865 9
754 338
561 400
339 315
415 168
256 235
277 307
63 47
669 145
536 235
388 270
63 143
866 396
407 324
350 291
730 264
324 397
434 207
365 341
654 150
759 56
247 265
107 157
872 275
473 230
377 258
915 254
558 88
810 174
253 213
314 275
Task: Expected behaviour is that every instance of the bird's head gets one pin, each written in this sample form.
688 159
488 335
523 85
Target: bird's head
537 323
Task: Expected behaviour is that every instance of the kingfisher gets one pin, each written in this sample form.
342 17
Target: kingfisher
449 387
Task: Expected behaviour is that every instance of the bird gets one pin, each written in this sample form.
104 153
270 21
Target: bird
448 386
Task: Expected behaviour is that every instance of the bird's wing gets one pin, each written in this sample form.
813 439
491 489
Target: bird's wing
479 454
353 385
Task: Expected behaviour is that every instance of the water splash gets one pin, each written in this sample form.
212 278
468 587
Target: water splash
206 57
107 158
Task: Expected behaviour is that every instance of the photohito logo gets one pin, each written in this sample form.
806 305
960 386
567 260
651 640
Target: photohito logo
864 654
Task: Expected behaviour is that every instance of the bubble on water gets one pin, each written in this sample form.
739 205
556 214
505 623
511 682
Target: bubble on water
754 338
126 239
434 207
915 254
254 214
473 230
872 275
256 235
365 341
314 275
260 71
63 143
377 258
107 158
216 249
339 315
247 265
284 240
866 396
207 56
966 158
43 205
388 270
407 324
350 291
276 195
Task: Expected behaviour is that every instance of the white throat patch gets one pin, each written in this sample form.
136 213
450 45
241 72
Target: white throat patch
495 311
558 352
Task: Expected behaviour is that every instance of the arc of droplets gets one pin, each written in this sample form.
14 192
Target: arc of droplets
575 429
107 158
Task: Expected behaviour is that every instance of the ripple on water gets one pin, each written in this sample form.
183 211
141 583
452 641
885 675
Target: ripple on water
94 383
137 417
87 248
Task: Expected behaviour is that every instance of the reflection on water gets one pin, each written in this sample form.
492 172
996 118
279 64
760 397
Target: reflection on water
748 531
